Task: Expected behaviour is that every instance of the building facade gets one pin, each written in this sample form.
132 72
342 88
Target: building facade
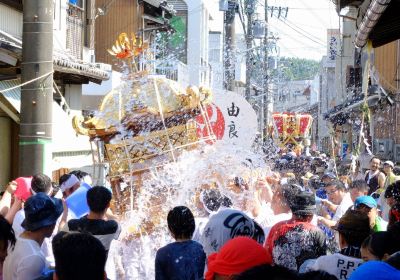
73 62
366 118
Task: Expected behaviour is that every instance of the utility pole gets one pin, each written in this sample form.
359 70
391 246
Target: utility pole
36 97
230 45
266 95
249 9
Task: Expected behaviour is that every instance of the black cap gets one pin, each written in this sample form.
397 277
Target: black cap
304 204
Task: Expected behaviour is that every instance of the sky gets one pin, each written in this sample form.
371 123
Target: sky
303 33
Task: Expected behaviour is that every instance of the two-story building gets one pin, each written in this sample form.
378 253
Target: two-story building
368 78
176 30
73 61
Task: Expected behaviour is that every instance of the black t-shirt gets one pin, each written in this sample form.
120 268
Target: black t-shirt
105 231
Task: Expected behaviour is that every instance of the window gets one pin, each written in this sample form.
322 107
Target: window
353 77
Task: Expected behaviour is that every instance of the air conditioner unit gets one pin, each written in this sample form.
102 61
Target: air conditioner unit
383 148
397 153
390 145
104 66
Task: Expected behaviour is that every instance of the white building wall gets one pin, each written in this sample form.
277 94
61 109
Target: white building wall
60 26
240 64
73 96
194 45
11 21
292 94
346 58
198 28
328 98
215 59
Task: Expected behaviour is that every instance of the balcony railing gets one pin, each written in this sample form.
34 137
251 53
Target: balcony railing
176 71
75 30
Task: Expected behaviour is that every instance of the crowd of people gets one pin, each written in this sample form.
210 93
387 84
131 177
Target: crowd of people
309 218
41 239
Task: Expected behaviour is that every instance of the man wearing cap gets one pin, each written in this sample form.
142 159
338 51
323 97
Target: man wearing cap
26 261
306 178
388 167
328 177
368 205
293 242
352 228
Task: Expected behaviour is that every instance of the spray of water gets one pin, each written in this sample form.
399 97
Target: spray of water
179 183
167 183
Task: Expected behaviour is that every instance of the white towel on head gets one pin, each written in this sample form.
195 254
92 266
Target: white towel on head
72 181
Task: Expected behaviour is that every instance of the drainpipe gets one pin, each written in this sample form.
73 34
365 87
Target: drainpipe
371 17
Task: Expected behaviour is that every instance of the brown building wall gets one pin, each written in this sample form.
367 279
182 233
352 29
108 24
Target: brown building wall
385 123
387 62
122 16
387 119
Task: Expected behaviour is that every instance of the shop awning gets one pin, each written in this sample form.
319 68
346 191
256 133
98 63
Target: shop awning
66 68
350 106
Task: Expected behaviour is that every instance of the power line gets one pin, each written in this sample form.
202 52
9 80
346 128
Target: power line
316 16
294 38
306 36
293 24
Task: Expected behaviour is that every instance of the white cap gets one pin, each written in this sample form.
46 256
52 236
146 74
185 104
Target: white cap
388 162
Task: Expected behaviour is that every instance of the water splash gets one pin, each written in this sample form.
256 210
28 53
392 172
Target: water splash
179 183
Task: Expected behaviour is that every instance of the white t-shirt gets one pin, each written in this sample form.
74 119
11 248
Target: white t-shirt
46 245
384 207
18 219
200 225
337 264
276 219
25 262
266 216
343 207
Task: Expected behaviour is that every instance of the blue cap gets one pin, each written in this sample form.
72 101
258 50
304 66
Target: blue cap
41 211
328 175
367 201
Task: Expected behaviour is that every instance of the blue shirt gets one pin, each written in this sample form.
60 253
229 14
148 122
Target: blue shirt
180 261
375 270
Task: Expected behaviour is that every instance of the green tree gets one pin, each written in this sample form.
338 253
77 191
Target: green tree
293 69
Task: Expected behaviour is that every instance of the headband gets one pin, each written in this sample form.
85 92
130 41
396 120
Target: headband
72 181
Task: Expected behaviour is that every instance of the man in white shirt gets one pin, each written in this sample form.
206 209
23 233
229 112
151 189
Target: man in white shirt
339 201
281 205
40 183
26 261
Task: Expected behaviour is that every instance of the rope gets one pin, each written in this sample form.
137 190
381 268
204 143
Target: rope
28 82
163 120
